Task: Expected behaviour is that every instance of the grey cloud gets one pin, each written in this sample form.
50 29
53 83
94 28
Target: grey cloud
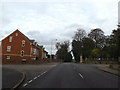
45 22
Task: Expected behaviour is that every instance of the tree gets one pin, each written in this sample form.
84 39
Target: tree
95 53
79 35
63 52
115 41
97 35
77 43
88 46
76 49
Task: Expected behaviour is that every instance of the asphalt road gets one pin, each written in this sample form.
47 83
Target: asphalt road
72 75
10 77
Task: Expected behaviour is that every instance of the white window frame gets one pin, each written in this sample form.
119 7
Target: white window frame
31 51
16 34
23 43
10 39
8 48
34 51
21 53
36 43
8 57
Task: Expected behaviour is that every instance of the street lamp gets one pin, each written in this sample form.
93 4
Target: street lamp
51 49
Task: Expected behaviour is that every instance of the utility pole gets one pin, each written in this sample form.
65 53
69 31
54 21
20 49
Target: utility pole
51 53
51 50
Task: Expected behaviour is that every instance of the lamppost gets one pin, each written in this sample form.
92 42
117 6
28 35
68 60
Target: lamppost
51 50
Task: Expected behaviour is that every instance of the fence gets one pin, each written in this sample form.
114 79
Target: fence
101 60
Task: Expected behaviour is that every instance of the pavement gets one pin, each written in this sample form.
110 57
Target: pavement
30 71
72 75
10 78
106 68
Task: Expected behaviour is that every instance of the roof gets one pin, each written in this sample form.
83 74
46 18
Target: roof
25 37
32 41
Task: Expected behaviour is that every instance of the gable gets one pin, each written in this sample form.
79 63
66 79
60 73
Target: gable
16 34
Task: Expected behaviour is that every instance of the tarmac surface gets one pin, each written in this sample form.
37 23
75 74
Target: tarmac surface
10 77
30 71
60 75
72 75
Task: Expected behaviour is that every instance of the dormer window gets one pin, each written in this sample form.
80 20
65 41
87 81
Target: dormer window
23 43
10 39
34 43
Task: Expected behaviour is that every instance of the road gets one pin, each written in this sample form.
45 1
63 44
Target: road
72 75
10 77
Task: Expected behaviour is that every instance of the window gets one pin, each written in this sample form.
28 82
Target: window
31 50
8 57
34 51
8 48
10 39
23 43
22 53
16 34
36 43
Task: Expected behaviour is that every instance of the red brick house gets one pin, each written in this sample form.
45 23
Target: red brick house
18 47
42 52
45 54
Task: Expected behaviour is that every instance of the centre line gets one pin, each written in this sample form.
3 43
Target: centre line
81 75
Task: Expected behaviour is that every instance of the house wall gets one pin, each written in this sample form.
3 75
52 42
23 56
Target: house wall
40 52
16 47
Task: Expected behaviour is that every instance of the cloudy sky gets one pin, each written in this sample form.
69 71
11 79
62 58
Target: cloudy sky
46 21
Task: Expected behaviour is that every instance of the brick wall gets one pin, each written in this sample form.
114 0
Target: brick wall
16 47
18 61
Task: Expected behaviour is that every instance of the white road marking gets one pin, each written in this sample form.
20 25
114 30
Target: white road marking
81 75
25 85
43 73
30 81
35 78
38 75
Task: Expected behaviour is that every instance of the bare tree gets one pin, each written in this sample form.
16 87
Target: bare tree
79 34
97 35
